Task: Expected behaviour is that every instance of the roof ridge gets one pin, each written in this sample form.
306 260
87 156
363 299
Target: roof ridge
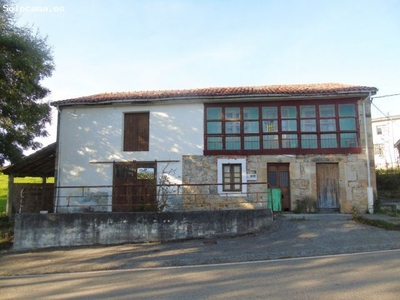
277 89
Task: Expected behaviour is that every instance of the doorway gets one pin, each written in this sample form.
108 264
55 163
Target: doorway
134 186
328 187
278 177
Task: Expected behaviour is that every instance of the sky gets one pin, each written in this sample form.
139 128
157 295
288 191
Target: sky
116 46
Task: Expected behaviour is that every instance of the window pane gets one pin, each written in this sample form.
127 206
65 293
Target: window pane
214 127
232 127
232 143
284 179
251 142
308 141
236 169
227 171
307 111
214 143
288 112
289 125
348 140
272 178
270 142
232 113
327 124
145 173
123 170
251 127
270 126
308 125
289 141
214 113
270 113
250 113
326 111
347 124
347 110
328 141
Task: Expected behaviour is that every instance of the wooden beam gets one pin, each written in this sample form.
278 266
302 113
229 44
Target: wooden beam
9 205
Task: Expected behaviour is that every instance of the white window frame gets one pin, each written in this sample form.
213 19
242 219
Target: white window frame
228 161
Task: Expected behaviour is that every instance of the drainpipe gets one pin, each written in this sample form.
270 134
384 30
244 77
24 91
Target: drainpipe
57 171
370 190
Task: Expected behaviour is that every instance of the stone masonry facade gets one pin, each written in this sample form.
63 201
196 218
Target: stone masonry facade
303 181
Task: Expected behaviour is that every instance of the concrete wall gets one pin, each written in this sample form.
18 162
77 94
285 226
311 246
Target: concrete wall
33 231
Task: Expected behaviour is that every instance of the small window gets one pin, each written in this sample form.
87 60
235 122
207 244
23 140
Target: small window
145 173
136 131
232 177
379 149
378 130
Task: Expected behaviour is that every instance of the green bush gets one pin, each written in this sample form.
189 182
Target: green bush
388 183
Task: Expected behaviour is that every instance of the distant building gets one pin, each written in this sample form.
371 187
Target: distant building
386 133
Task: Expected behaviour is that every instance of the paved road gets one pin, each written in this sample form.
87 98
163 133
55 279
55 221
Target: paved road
349 276
290 236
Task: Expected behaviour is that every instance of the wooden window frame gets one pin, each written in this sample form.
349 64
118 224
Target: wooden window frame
231 182
136 131
221 136
221 162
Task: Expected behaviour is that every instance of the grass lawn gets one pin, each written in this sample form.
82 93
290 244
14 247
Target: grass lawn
3 192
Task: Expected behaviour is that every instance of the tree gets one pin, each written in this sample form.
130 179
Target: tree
25 60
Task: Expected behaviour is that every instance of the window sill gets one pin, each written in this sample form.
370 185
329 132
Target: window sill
233 194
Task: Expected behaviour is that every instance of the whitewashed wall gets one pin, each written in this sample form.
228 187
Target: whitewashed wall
89 137
386 155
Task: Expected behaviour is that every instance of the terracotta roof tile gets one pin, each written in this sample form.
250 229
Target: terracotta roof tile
270 90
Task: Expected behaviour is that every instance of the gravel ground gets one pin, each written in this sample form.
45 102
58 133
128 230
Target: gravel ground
290 236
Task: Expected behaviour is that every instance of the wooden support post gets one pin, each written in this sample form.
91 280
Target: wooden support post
10 196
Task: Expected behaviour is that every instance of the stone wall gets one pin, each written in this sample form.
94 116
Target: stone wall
303 180
202 193
33 231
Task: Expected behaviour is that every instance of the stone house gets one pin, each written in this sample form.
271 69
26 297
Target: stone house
216 148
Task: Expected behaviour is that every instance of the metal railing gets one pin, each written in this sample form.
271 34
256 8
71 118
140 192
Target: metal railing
159 197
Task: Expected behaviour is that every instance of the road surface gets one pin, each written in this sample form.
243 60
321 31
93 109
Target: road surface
350 276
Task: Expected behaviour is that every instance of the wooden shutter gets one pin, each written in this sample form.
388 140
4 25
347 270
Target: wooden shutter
136 131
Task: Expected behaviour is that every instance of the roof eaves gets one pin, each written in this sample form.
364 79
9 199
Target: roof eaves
201 98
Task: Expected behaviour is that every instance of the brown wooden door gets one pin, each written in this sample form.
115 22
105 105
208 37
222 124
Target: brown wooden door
134 187
278 177
328 187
